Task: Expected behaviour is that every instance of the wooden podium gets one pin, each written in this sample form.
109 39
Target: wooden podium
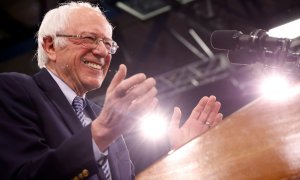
260 141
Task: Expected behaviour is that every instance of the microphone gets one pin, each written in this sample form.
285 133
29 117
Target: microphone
245 57
256 47
234 40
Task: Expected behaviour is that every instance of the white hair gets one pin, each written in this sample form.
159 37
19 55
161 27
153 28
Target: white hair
55 21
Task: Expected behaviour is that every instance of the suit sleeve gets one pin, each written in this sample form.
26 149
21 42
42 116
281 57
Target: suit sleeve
24 152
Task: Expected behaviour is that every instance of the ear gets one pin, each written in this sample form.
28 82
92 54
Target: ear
49 48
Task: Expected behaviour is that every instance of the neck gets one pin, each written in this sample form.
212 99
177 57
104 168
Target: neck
71 84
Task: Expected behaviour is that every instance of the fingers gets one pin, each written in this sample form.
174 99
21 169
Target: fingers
199 108
147 97
128 98
140 91
209 107
118 77
133 87
175 134
175 120
218 119
214 117
144 103
207 112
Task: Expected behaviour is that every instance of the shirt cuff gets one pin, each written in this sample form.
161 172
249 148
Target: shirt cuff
97 152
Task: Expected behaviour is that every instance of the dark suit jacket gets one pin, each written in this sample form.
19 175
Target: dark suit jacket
41 136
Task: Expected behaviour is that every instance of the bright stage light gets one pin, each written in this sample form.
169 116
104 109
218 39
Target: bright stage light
289 30
154 126
275 87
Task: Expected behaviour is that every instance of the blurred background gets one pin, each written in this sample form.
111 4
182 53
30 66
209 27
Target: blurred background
167 39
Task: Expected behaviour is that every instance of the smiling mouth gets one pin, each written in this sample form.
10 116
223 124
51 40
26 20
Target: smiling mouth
92 65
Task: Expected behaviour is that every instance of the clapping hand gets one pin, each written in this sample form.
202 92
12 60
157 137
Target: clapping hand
203 117
126 101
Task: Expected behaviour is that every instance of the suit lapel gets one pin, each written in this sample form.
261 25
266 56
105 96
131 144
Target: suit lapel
92 109
119 160
58 99
118 154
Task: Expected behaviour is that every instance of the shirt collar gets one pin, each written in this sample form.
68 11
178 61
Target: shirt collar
67 91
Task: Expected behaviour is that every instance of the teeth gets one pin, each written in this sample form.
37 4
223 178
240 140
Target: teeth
92 65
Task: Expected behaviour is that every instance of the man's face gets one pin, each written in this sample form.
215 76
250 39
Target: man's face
81 68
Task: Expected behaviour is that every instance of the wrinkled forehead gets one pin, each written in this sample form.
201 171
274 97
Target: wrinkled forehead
89 20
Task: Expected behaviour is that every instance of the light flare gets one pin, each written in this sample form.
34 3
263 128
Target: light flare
154 126
276 87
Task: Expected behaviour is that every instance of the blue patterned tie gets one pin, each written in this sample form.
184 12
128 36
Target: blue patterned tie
105 167
78 105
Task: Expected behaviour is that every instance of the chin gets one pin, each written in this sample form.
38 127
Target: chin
94 85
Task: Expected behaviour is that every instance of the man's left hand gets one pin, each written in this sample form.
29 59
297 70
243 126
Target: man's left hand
203 117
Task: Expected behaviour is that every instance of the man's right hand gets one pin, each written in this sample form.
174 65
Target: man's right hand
126 101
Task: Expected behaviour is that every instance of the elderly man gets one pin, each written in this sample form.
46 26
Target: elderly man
49 130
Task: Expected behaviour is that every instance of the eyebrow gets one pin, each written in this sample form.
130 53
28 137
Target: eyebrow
102 36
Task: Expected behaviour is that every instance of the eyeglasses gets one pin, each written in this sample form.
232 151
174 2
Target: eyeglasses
90 41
